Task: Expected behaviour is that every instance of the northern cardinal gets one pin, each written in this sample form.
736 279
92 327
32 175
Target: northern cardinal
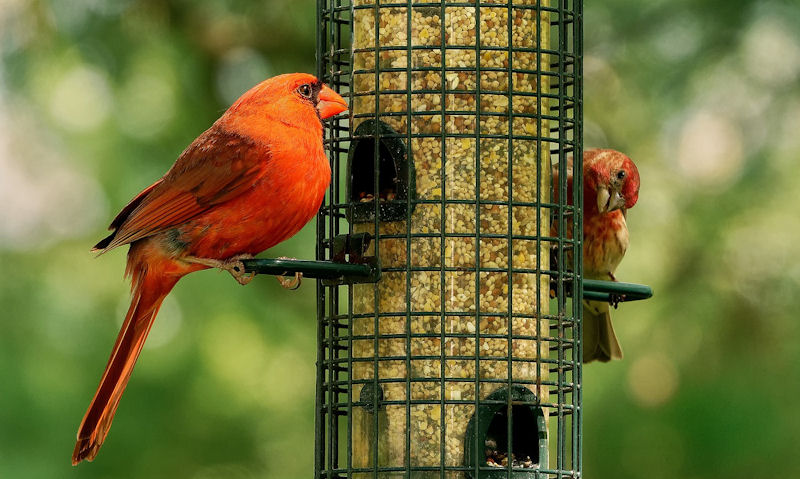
252 180
610 188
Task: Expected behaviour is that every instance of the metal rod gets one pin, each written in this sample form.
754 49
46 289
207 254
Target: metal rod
310 269
592 289
601 290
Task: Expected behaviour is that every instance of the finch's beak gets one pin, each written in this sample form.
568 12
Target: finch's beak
609 200
329 103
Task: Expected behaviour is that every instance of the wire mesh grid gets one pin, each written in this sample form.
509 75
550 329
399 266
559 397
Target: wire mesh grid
463 361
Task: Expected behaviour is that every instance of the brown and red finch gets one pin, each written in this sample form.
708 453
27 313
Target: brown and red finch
610 188
252 180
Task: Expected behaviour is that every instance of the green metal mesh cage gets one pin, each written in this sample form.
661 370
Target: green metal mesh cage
463 360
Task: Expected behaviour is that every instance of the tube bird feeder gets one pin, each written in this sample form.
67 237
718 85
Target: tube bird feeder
456 362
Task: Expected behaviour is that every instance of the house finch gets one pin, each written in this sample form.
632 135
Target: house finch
252 180
610 187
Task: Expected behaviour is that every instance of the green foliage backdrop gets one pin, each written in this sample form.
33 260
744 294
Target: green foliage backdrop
98 98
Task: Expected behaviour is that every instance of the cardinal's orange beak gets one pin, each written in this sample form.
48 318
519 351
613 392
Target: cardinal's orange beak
329 103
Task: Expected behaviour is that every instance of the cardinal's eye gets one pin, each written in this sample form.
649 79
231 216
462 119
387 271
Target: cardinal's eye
621 175
305 90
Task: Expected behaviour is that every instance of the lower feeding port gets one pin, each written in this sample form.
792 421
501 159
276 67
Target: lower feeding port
501 418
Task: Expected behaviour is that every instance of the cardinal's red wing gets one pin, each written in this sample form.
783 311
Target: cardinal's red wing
215 168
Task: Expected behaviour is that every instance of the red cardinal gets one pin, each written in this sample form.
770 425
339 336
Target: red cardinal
610 187
252 180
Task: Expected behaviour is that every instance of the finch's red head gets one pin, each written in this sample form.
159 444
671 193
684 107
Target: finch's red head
294 99
611 178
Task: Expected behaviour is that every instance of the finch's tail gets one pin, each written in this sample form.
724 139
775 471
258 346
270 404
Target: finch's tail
149 287
599 341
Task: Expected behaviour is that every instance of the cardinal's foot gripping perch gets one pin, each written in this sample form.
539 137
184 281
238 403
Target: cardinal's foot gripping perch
232 265
349 264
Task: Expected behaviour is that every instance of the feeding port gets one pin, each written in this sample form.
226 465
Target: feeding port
394 176
506 429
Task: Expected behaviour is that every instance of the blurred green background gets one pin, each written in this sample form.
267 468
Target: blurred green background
98 98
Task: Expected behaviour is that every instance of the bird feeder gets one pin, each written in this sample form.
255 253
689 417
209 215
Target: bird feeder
455 361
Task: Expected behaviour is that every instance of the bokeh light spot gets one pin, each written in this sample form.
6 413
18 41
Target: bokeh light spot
147 105
81 100
678 38
710 149
771 52
652 380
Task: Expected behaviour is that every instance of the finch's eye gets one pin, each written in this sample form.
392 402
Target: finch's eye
621 175
305 90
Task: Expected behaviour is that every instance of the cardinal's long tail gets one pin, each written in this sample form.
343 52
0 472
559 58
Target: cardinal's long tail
599 341
149 287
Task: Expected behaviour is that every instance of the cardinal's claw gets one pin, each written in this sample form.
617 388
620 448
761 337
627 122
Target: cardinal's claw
287 283
292 283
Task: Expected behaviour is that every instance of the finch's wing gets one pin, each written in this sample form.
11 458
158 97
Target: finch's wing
215 168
